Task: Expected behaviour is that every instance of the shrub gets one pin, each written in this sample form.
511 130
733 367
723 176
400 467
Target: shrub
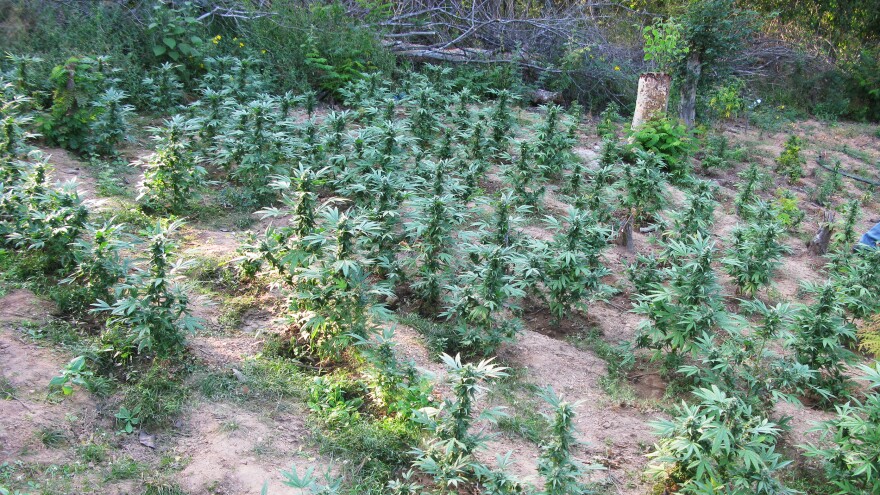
748 188
717 445
76 84
755 253
447 456
479 297
151 312
850 450
100 264
688 306
785 209
790 162
670 141
821 337
42 218
609 119
333 298
644 186
162 90
171 174
698 216
110 127
570 267
175 37
744 363
556 464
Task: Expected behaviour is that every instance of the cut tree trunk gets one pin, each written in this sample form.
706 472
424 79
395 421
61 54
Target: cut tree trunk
819 244
688 108
653 97
625 237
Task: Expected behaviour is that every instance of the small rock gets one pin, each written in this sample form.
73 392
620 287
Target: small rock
238 375
147 440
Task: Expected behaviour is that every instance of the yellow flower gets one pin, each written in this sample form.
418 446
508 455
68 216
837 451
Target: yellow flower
216 39
263 52
616 67
241 45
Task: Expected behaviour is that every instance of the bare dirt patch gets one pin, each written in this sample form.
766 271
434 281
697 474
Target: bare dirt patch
234 451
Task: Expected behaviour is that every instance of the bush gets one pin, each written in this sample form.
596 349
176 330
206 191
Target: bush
850 450
717 446
295 34
790 162
172 175
75 85
151 311
668 139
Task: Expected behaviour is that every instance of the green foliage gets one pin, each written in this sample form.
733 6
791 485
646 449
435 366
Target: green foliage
609 119
176 37
829 186
670 141
75 373
39 217
785 209
100 264
570 266
129 419
698 216
331 485
478 298
748 189
726 102
430 230
790 162
329 76
171 174
845 233
755 252
110 125
717 446
718 154
75 85
447 456
395 386
689 305
821 337
850 441
151 311
744 363
561 472
645 186
162 89
664 44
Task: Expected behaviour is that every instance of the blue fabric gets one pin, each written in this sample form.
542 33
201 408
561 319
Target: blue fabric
872 237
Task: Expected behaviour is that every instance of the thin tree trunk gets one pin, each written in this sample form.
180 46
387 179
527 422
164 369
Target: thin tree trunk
688 109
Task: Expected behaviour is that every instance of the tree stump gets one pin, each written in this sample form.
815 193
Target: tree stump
819 244
625 236
652 98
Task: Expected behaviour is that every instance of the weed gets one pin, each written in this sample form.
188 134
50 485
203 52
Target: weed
124 468
52 438
790 162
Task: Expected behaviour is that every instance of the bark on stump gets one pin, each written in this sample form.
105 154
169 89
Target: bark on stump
653 97
819 244
625 236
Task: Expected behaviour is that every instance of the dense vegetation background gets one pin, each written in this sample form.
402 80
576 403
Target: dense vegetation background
813 57
387 240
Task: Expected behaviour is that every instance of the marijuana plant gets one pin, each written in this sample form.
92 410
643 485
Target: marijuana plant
151 311
171 174
717 445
